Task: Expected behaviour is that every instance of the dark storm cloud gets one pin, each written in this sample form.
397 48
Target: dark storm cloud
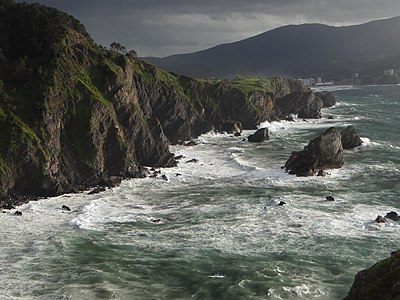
162 27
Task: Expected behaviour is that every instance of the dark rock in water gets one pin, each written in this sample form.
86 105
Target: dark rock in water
380 219
392 216
152 169
237 134
178 174
321 173
381 281
194 160
179 157
350 138
65 208
290 118
281 203
330 118
18 213
164 177
260 135
328 98
97 190
156 220
191 143
305 120
330 198
324 152
231 127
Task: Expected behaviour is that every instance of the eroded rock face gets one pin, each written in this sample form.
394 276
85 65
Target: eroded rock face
324 152
350 138
381 281
231 127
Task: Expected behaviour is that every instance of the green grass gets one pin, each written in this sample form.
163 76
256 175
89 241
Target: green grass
84 78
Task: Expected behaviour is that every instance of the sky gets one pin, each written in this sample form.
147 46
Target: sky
165 27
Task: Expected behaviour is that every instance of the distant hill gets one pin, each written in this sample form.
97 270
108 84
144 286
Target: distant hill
299 50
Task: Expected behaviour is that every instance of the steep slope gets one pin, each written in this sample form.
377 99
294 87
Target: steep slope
299 50
75 115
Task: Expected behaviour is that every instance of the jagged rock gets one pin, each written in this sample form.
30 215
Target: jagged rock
324 152
328 98
179 157
330 198
381 281
392 216
321 173
194 160
281 203
164 177
350 138
231 127
237 134
65 208
260 135
18 213
380 219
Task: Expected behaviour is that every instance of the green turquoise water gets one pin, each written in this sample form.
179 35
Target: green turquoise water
216 232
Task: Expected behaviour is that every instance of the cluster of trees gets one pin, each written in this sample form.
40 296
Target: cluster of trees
117 47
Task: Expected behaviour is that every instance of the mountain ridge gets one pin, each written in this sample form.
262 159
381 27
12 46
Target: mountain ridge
298 50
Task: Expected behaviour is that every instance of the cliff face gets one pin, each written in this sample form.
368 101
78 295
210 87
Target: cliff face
381 281
75 115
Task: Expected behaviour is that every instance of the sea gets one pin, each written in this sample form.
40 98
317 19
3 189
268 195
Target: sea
213 229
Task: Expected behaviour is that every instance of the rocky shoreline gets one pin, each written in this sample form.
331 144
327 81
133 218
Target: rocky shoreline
95 116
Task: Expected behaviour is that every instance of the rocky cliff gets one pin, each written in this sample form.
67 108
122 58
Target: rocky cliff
74 114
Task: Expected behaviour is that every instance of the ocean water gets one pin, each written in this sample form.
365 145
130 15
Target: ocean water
214 230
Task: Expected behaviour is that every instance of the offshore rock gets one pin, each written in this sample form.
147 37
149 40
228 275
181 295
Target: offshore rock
324 152
392 216
328 98
259 136
350 138
381 281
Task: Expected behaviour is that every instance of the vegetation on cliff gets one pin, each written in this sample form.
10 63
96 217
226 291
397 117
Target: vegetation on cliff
74 114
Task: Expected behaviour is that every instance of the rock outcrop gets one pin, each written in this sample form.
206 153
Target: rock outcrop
75 115
350 138
381 281
324 152
328 98
259 136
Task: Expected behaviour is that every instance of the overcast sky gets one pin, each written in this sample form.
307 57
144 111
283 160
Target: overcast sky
165 27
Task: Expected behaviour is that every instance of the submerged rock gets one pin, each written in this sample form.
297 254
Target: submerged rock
194 160
259 136
324 152
65 208
380 219
97 190
190 143
330 198
350 138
